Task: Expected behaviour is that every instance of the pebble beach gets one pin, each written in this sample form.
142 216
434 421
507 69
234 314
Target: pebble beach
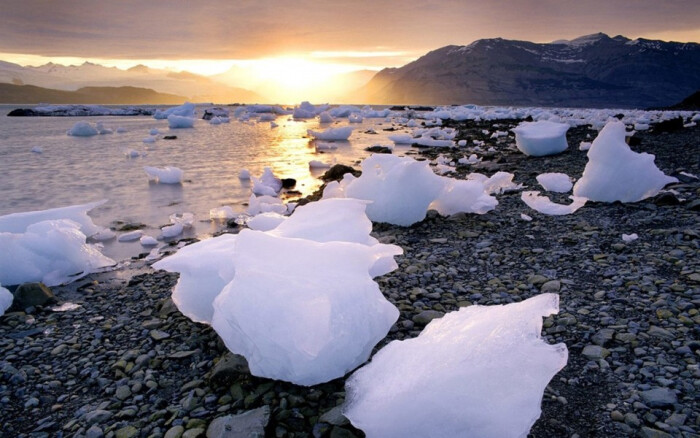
114 357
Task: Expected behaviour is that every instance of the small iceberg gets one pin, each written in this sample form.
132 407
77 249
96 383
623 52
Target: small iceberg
164 175
541 138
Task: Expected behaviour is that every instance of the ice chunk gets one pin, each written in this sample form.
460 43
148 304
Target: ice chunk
37 150
6 299
584 146
148 241
555 182
170 231
401 138
154 131
265 221
267 185
51 251
400 188
460 196
185 110
164 175
130 153
178 122
18 222
103 235
265 204
205 268
82 129
544 205
149 140
316 164
331 134
499 182
244 174
616 173
477 372
541 138
322 312
630 237
324 117
224 212
130 236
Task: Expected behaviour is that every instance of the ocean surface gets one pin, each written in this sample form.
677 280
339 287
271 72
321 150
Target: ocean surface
76 170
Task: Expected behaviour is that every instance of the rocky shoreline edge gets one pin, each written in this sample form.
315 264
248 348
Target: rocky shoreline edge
126 363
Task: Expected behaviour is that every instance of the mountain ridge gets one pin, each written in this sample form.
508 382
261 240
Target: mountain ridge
30 94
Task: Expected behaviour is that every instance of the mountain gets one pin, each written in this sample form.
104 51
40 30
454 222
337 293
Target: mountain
70 78
590 71
30 94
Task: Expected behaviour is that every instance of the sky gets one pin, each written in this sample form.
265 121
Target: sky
210 37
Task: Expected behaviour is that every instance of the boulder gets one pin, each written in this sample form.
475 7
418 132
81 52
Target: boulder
33 294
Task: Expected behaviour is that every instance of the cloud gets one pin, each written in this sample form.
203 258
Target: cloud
217 29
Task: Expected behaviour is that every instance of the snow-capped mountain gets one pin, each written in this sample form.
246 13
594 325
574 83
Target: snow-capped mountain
71 78
590 71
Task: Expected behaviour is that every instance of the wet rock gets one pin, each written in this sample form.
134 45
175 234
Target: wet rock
426 316
228 369
595 352
250 424
659 397
336 172
33 294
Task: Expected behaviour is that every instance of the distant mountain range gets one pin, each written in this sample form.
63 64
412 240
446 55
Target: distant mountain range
29 94
58 77
591 71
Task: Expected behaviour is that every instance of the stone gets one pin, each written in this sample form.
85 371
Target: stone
666 198
127 432
174 432
339 432
426 316
158 335
97 416
167 308
33 294
660 332
552 286
228 369
647 432
250 424
377 149
659 397
603 336
537 279
123 392
336 172
197 432
288 183
595 352
94 432
335 417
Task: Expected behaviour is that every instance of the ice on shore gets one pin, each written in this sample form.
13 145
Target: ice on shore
555 182
460 196
224 212
324 117
615 172
18 222
6 299
629 237
322 312
164 175
83 129
265 204
401 138
148 241
331 134
130 236
265 221
478 372
544 205
37 150
267 185
180 122
541 138
50 251
316 164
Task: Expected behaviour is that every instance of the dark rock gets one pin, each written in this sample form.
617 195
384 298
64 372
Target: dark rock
33 294
336 172
250 424
210 113
413 107
659 397
671 125
228 369
378 149
666 198
694 205
167 308
633 140
426 316
22 112
231 223
288 183
170 137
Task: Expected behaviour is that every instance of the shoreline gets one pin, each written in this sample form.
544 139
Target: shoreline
129 364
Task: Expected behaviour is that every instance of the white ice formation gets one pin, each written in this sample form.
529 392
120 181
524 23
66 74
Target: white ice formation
544 205
185 110
180 122
477 372
555 182
615 172
331 134
83 129
164 175
541 138
6 299
18 222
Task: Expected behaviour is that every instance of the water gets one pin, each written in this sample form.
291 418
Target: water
75 170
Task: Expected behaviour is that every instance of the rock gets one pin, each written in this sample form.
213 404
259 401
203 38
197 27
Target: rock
339 432
633 140
666 198
335 417
228 369
671 125
158 335
660 332
659 397
33 294
537 279
97 416
551 286
170 137
288 183
127 432
694 205
250 424
23 112
603 336
336 172
426 316
94 432
123 392
194 433
595 352
378 149
648 432
174 432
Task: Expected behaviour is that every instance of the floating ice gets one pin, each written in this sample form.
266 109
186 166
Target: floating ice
616 173
401 138
499 182
541 138
401 188
18 222
265 221
37 150
472 159
555 182
148 241
154 131
265 204
173 230
324 117
179 122
630 237
185 110
478 372
6 299
130 153
316 164
50 251
224 212
355 118
82 129
130 236
103 235
164 175
322 312
149 140
244 174
331 134
322 146
544 205
460 196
